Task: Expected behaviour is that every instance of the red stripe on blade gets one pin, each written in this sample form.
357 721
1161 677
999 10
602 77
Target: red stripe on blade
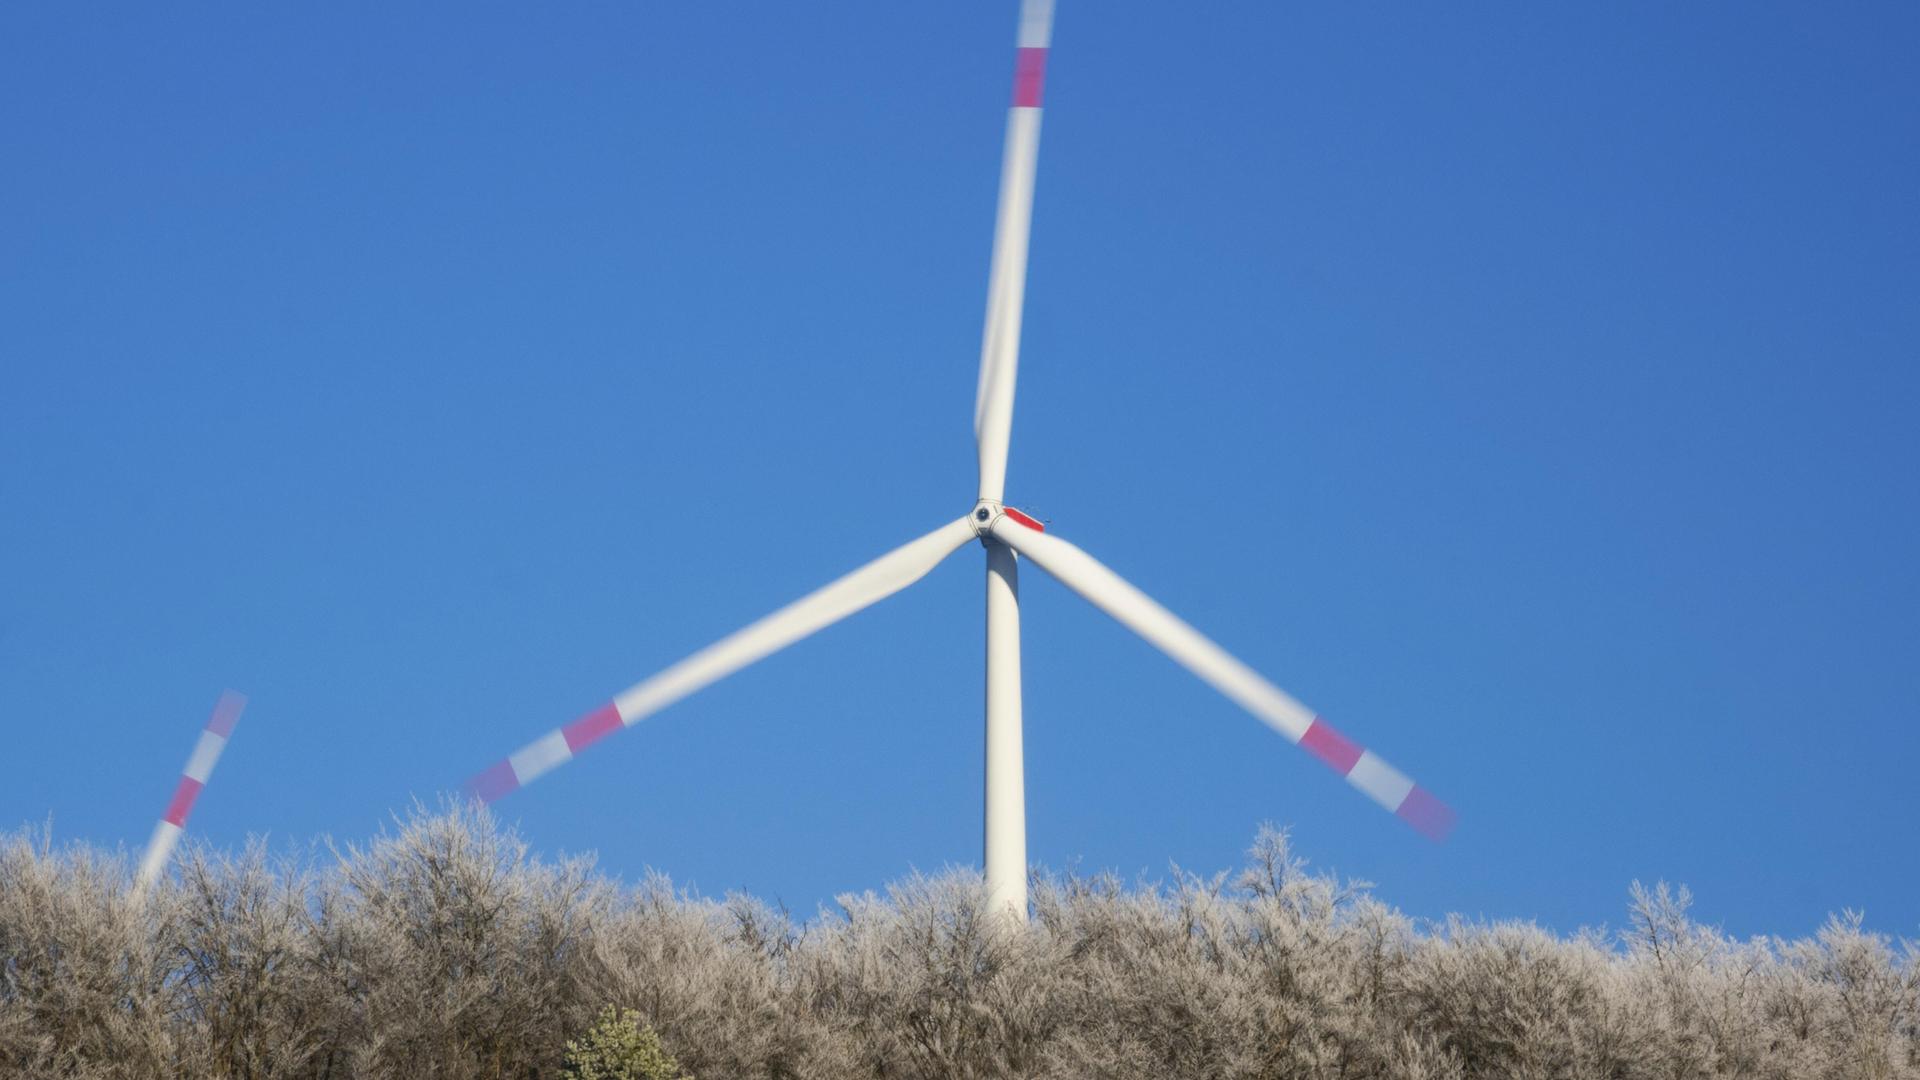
592 727
496 782
1432 817
1024 520
226 713
1339 752
1029 73
182 803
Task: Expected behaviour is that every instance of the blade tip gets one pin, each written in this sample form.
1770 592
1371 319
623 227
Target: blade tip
226 712
1429 816
494 783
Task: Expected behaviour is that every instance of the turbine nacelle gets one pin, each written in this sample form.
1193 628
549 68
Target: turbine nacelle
988 511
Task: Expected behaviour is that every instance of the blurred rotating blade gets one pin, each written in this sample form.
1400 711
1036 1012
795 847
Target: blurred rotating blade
1138 612
1007 281
864 587
193 778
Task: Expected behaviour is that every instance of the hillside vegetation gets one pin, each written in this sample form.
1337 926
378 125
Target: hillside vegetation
444 949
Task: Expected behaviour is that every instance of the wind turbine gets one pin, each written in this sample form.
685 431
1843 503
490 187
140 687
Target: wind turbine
193 778
1007 535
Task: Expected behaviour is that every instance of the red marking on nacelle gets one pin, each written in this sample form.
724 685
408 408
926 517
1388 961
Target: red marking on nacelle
1024 519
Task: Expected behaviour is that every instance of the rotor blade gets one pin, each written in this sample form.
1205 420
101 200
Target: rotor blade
206 752
1137 612
1007 281
866 586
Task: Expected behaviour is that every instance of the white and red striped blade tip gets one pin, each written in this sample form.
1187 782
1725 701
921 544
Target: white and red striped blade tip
1379 781
206 753
556 747
193 779
1030 57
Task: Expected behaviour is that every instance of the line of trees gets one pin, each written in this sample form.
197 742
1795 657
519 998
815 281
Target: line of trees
445 949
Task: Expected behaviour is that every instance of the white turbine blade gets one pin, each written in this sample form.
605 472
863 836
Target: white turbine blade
159 851
199 769
1138 612
866 586
1007 281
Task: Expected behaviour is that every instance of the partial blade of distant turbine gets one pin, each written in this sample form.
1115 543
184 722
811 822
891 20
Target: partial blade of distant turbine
206 752
864 587
1007 281
1138 612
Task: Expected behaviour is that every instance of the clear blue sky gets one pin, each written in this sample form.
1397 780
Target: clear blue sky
1531 391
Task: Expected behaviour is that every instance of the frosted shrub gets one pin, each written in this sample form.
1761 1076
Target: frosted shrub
445 949
87 983
244 956
456 954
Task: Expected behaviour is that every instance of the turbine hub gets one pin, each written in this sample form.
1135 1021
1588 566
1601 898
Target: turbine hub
985 513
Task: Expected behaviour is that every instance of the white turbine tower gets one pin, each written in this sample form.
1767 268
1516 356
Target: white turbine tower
1006 533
